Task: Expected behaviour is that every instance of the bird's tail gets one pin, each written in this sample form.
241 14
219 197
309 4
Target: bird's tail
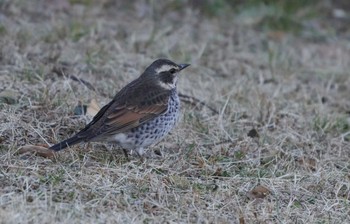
68 142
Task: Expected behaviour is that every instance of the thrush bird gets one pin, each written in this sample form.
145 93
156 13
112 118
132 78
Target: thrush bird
140 114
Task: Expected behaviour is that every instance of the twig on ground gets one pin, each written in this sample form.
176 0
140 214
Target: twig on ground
194 101
84 82
63 71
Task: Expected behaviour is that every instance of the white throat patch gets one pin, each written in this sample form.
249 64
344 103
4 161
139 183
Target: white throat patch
169 86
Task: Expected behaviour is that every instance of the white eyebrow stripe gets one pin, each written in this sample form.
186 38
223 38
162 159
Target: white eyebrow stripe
164 68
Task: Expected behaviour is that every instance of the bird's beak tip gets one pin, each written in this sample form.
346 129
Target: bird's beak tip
182 66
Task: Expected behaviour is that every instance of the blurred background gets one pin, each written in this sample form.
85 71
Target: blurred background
142 25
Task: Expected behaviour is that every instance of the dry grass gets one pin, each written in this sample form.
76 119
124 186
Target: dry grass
292 91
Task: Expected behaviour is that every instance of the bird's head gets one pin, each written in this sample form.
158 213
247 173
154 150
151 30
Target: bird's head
164 72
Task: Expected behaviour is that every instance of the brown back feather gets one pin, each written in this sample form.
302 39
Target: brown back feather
135 104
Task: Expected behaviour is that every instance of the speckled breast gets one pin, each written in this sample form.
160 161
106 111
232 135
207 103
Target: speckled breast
155 129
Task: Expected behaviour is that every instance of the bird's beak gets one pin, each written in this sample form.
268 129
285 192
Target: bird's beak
182 66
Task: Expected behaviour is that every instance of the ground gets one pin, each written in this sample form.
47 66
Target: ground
274 149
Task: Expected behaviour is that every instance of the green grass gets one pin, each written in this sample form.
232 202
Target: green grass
279 15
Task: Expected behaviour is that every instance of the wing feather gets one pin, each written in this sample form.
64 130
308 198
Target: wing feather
123 113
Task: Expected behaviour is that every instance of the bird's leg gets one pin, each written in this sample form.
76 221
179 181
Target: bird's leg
140 152
126 154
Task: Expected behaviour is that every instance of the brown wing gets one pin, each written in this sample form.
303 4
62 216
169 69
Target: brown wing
126 118
130 108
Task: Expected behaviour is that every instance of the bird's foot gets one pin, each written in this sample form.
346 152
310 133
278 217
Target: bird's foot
141 153
126 155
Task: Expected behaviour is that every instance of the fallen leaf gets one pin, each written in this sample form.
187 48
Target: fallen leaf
308 162
93 108
218 172
201 162
277 35
258 192
241 220
8 97
37 150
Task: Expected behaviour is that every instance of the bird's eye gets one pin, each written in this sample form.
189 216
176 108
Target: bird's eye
172 71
